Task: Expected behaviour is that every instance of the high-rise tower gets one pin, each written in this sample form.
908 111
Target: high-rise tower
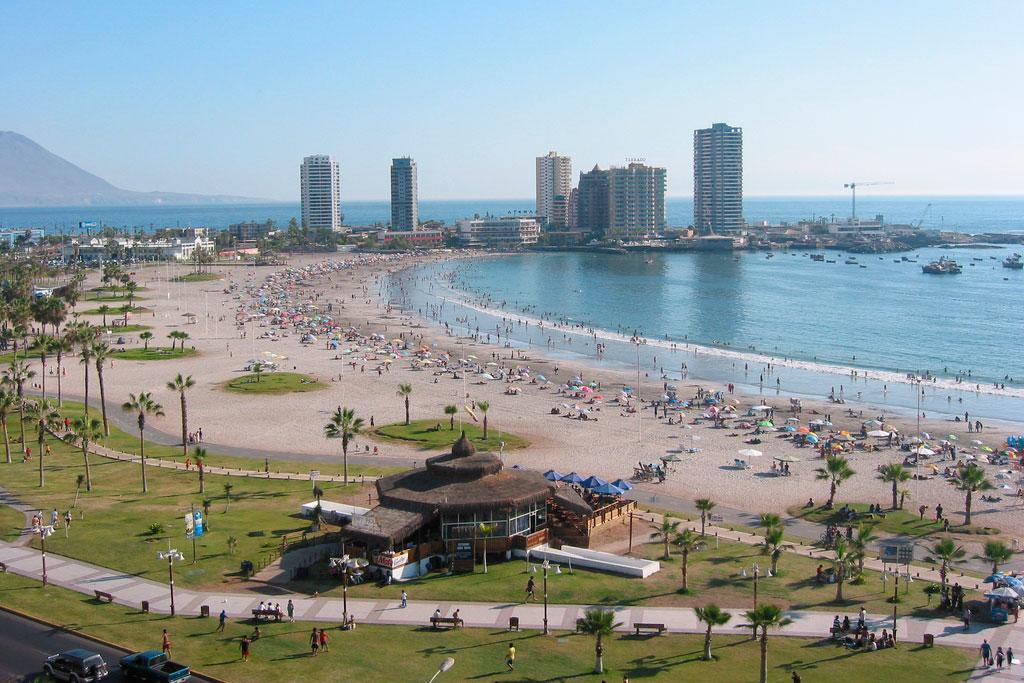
405 213
718 179
320 181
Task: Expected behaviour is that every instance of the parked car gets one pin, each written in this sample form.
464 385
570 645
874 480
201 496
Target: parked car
155 666
76 666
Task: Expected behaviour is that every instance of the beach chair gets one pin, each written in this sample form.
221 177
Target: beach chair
740 464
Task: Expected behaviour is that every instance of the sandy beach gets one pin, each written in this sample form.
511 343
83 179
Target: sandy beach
609 446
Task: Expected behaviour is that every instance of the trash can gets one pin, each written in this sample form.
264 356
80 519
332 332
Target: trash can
513 623
204 610
145 605
929 640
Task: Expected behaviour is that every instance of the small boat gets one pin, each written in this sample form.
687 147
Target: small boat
1013 262
850 261
943 266
648 261
831 260
817 257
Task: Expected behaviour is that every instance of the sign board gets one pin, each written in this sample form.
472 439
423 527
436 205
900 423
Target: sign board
898 553
464 560
391 560
189 524
198 523
313 474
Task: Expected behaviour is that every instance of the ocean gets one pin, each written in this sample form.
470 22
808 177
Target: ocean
965 214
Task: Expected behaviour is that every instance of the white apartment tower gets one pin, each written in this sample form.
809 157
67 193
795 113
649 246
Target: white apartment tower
718 179
636 201
405 213
320 180
554 179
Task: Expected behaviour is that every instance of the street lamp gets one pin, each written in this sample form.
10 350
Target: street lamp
445 665
171 555
558 570
347 566
896 592
44 532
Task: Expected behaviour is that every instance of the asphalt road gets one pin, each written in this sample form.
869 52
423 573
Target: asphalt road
25 644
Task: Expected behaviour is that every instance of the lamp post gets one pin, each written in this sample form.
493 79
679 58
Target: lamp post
171 555
445 665
896 592
558 570
44 532
346 566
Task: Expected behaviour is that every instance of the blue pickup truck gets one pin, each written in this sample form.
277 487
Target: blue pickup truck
155 667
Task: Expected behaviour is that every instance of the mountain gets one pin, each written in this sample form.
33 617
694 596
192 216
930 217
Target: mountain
31 175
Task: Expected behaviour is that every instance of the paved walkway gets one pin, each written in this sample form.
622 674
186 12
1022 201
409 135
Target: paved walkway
130 590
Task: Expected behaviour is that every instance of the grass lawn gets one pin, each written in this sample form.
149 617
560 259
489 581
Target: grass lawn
114 311
127 329
900 522
114 298
154 353
112 522
116 290
196 277
11 523
129 443
273 383
430 438
400 653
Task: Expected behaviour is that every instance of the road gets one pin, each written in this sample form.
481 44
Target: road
25 644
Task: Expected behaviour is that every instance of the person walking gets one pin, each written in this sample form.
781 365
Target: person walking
221 621
531 590
324 641
1009 657
986 653
245 648
966 614
1000 656
405 599
165 644
291 611
510 657
314 642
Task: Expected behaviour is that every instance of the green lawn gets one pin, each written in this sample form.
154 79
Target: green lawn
113 298
400 653
112 522
436 435
196 277
900 522
129 443
154 353
273 383
114 311
11 523
127 329
116 290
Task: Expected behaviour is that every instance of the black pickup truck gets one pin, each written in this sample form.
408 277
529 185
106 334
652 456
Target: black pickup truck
155 667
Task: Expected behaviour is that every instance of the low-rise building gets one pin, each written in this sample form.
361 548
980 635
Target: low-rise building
424 239
93 250
11 237
506 231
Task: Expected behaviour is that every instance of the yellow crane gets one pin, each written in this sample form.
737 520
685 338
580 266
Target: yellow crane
853 190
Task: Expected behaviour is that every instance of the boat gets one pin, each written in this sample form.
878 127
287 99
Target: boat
852 261
648 261
817 257
1013 262
943 266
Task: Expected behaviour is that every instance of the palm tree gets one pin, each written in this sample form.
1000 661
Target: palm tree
688 541
79 480
712 615
100 355
344 425
257 370
8 400
142 405
947 552
836 470
131 286
16 375
904 495
43 346
486 530
483 407
665 531
997 553
104 310
182 384
145 337
894 473
773 545
199 455
598 623
227 495
206 512
61 347
173 336
705 505
85 359
451 411
970 479
46 417
182 337
404 391
844 556
859 544
763 617
88 430
769 521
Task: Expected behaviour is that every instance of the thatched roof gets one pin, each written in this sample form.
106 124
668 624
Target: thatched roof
385 525
572 501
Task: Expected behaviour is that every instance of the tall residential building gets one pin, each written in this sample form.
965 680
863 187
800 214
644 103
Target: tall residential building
554 179
718 179
636 201
405 212
320 180
592 202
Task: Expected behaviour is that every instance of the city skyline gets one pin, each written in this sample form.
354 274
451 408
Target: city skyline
192 98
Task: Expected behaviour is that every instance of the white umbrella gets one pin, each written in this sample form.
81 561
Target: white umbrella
878 433
922 450
750 453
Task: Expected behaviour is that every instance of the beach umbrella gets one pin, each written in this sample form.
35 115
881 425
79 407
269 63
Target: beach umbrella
671 457
915 440
787 458
789 428
811 438
922 450
976 442
987 449
878 433
607 489
993 578
593 481
872 424
952 437
765 423
1002 593
750 453
552 475
623 484
572 478
845 438
803 430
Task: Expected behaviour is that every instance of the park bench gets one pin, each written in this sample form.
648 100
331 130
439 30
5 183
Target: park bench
656 628
438 622
101 595
267 614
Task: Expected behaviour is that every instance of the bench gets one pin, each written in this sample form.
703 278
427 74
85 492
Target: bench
100 595
656 628
266 614
438 622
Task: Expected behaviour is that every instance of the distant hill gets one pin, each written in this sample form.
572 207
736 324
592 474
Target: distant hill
33 176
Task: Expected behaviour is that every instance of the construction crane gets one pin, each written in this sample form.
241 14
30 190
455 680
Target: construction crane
853 189
924 215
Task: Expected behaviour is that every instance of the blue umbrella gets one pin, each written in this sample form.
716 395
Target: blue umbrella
592 482
994 578
571 478
607 489
552 475
789 428
623 484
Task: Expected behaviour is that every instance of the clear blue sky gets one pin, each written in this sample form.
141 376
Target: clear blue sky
227 97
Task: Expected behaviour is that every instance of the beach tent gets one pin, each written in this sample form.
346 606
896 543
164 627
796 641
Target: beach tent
607 489
572 478
593 482
552 475
623 484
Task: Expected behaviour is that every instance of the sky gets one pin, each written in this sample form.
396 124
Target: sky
227 97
